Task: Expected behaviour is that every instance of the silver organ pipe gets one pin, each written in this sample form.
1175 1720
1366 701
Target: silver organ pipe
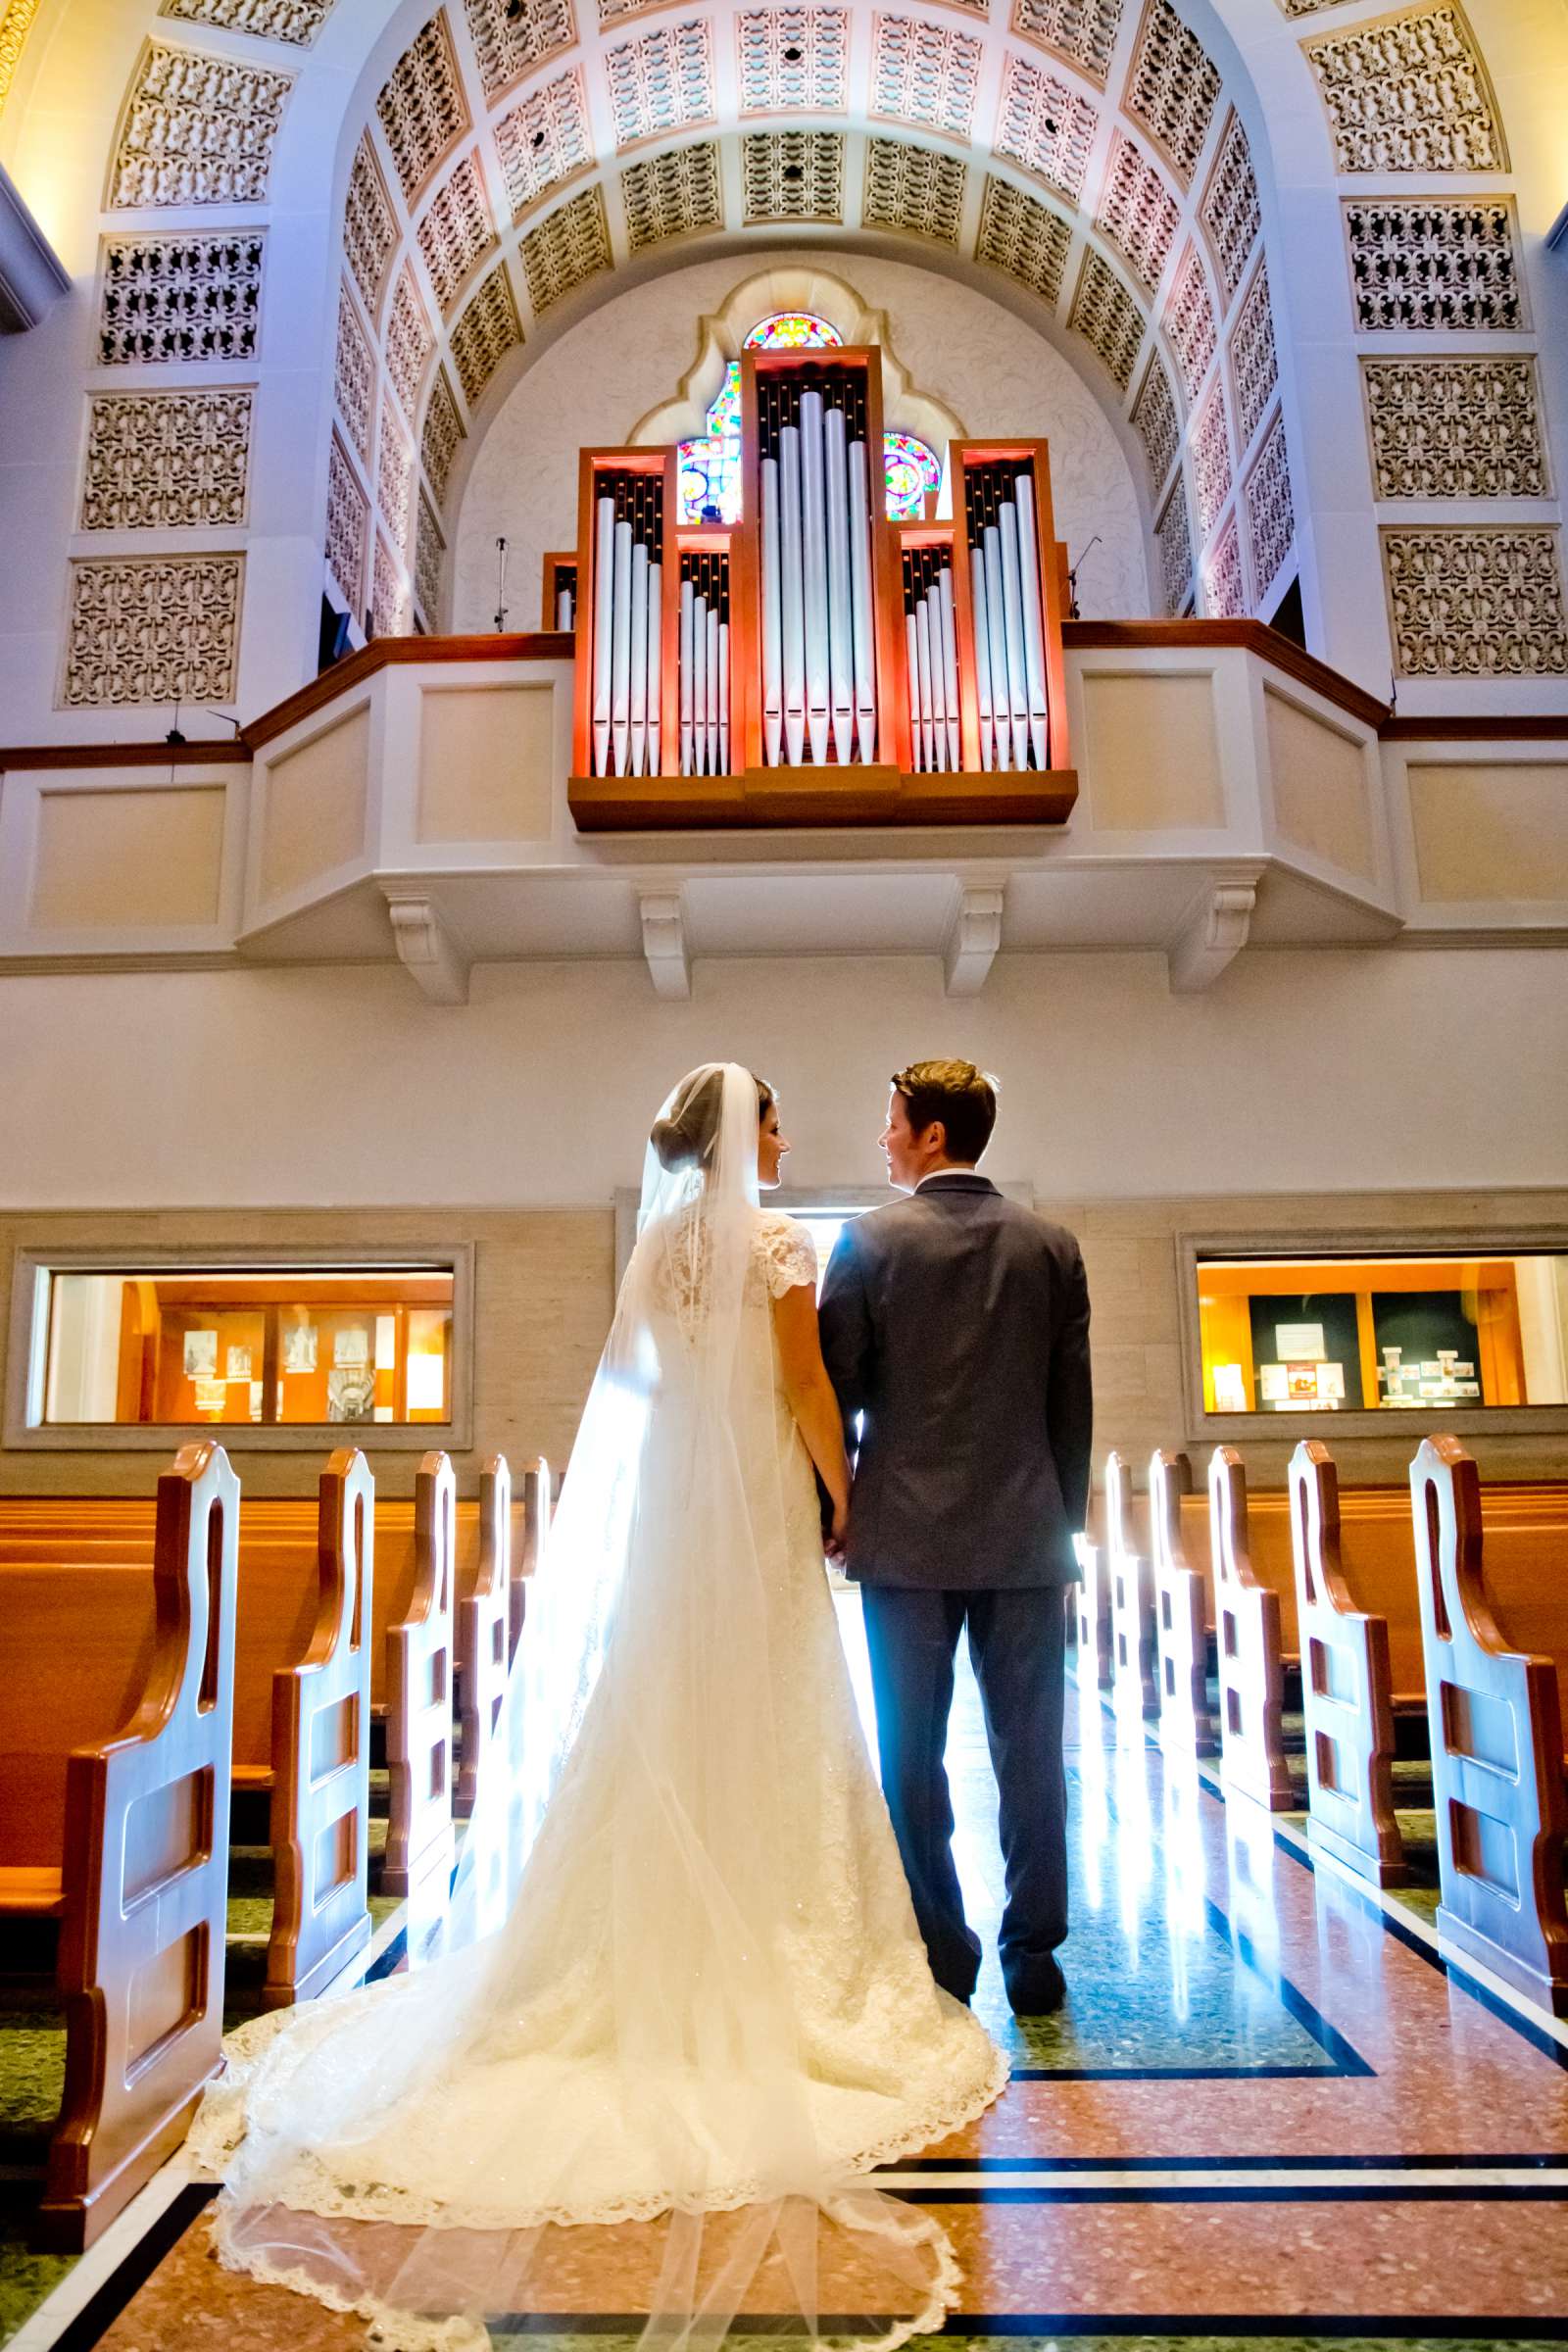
1013 607
604 611
687 632
912 634
712 680
772 619
950 667
639 656
982 652
813 574
656 666
860 613
698 682
1034 630
723 698
621 650
792 613
997 637
922 649
565 609
840 628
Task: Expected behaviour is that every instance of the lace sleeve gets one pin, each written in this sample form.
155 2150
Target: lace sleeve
788 1256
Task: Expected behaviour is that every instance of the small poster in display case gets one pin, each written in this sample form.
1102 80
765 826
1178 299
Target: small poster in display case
238 1363
1230 1388
212 1395
1300 1343
201 1355
349 1393
1271 1387
299 1347
350 1347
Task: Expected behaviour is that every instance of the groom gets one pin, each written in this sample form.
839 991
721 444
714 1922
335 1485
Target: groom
957 1324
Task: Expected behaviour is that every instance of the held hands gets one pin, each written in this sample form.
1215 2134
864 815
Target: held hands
835 1536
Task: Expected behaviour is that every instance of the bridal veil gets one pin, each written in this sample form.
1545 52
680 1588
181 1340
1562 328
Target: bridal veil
600 2099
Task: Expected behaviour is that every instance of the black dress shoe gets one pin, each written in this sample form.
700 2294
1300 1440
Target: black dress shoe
1039 1995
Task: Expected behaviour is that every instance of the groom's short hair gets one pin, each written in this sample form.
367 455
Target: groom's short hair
961 1097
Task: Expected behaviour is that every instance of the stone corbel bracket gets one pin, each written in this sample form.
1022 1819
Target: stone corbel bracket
665 946
1214 930
428 950
972 942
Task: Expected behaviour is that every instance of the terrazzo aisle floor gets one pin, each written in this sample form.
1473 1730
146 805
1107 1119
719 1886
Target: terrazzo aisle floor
1266 2118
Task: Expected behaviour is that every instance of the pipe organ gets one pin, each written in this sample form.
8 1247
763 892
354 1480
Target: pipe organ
558 599
815 662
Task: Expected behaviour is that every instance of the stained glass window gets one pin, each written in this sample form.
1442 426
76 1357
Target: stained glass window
709 470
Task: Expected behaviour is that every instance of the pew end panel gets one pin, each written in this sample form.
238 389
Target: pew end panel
1131 1578
321 1799
1251 1672
1498 1764
537 1511
1180 1614
421 1841
1092 1607
482 1638
1346 1686
144 1864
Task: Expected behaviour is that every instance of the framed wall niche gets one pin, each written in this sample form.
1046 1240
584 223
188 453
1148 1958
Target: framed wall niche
1285 1337
278 1350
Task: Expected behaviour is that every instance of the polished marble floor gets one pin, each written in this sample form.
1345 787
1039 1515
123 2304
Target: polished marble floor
1267 2116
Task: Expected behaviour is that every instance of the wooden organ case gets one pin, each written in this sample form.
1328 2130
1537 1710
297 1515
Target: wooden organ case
815 663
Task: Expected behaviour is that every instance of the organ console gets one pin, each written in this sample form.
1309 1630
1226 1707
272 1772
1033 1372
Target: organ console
815 663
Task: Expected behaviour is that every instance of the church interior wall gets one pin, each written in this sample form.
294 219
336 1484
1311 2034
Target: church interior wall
1314 1093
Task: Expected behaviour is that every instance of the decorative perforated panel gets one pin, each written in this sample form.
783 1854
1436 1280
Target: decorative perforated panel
1154 421
1023 237
543 141
925 74
166 460
410 341
422 108
147 629
914 188
512 36
457 231
348 521
1433 262
1190 320
428 550
297 21
1137 210
1231 215
1173 538
1409 93
670 194
354 373
661 81
192 297
792 60
1224 589
1476 601
1212 458
197 129
443 430
1254 367
793 174
1108 317
570 244
391 603
1173 85
1455 428
1084 32
369 225
1045 124
1271 520
394 476
485 331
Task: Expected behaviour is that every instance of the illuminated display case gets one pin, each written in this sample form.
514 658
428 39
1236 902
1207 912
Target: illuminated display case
276 1352
1439 1332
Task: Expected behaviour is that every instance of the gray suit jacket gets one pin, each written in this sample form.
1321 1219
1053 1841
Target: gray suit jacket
957 1324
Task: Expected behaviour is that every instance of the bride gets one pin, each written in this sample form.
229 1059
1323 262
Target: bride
683 2008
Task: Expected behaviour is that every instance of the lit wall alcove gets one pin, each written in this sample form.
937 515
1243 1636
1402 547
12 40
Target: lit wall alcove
962 362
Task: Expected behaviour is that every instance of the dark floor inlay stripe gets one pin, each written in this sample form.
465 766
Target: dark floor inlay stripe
138 2265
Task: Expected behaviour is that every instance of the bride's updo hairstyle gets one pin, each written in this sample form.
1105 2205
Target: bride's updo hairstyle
685 1139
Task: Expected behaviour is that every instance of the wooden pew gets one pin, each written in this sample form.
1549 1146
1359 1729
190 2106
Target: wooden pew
1250 1645
115 1730
419 1670
1363 1670
538 1507
1092 1607
301 1704
1181 1613
482 1633
1131 1577
1496 1680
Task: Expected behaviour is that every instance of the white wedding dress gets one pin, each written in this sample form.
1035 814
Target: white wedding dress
688 1982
